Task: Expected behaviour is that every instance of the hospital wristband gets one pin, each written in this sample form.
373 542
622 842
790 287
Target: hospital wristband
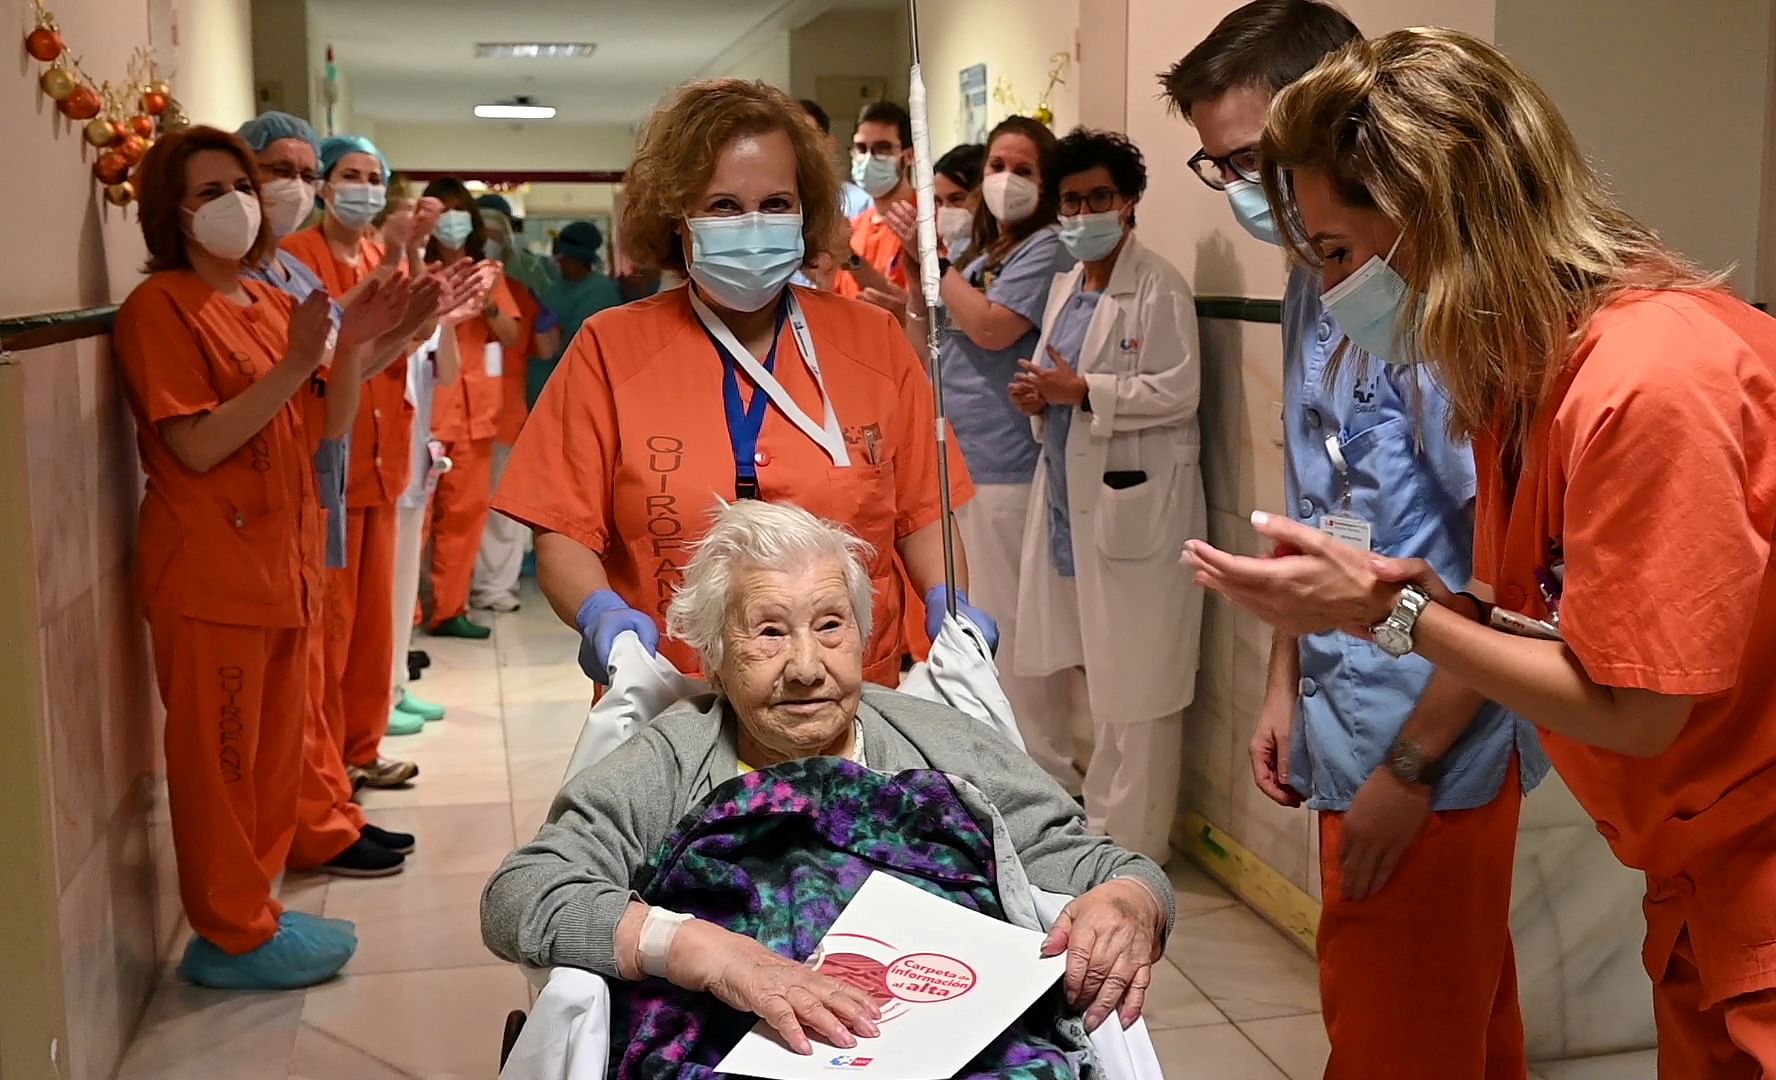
657 932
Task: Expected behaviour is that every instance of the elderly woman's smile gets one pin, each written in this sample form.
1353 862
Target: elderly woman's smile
792 663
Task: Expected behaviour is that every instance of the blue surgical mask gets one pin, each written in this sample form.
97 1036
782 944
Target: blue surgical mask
356 205
1367 306
743 262
876 176
1090 237
453 229
1252 210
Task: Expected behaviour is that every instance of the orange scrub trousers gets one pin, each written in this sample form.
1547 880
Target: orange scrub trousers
359 631
228 567
628 449
1648 493
465 418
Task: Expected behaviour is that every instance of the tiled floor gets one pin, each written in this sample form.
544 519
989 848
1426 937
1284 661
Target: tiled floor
423 1000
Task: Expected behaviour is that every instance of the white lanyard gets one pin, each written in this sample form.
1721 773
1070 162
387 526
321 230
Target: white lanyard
828 436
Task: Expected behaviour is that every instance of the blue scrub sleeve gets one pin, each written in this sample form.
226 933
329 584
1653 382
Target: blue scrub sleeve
330 476
1023 282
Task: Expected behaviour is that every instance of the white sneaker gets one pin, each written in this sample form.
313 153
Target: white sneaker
505 603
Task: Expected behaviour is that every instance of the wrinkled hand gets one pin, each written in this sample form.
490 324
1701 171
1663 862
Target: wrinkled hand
311 324
793 998
1269 748
1111 936
1328 585
1057 385
892 300
1027 398
1383 820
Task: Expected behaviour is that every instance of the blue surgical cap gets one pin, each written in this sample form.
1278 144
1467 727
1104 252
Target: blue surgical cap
580 241
337 146
269 127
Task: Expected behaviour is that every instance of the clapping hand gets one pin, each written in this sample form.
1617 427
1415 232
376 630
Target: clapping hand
1026 397
397 230
310 325
373 312
903 221
1057 385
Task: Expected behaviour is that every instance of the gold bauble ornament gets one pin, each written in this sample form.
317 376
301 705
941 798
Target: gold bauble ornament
1044 115
58 82
101 132
121 194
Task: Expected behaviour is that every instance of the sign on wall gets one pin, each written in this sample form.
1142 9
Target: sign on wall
972 123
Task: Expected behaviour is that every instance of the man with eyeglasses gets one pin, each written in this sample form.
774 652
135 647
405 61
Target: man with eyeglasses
1418 781
881 154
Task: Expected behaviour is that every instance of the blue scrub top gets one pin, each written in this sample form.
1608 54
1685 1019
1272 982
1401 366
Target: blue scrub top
1415 487
1067 338
994 436
570 303
331 457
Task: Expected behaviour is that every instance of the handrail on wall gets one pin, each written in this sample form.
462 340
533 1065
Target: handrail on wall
21 333
25 332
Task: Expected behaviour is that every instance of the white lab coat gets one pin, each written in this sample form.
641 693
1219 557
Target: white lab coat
1132 616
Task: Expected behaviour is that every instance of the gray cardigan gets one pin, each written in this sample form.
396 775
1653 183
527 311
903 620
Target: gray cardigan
556 901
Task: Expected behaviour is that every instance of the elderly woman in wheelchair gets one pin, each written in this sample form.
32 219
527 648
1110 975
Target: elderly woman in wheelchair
698 865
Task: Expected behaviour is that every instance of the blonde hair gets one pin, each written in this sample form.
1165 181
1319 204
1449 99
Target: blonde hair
1513 241
676 155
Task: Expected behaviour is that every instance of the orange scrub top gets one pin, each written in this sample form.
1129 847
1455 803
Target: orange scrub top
381 434
876 244
1653 468
469 408
514 381
240 544
627 449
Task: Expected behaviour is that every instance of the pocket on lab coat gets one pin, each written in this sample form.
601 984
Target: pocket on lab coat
1132 521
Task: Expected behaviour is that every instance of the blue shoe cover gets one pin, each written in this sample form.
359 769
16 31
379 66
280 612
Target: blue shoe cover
301 954
320 926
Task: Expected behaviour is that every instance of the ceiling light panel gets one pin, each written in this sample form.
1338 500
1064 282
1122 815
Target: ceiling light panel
533 50
510 111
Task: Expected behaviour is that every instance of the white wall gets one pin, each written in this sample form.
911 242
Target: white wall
1670 101
872 43
497 145
1015 39
766 60
216 76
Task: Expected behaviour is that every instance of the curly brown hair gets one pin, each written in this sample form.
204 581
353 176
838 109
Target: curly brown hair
675 157
160 195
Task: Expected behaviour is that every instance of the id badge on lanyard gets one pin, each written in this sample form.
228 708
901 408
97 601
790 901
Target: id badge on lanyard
1346 526
745 422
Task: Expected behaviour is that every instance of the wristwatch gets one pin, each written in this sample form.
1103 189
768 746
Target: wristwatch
854 261
1394 633
1406 761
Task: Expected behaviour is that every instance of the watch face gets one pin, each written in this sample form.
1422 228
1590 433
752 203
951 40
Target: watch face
1406 761
1392 640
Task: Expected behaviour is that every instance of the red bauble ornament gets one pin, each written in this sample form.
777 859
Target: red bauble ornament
58 82
83 104
101 132
132 149
154 103
43 44
111 168
142 125
121 194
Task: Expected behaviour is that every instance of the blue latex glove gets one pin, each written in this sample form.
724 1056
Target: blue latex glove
937 605
602 617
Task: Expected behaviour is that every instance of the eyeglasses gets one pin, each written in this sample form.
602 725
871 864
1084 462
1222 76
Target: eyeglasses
1218 172
1097 201
285 171
883 149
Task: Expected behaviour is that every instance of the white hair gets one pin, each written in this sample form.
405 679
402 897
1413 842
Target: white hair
754 535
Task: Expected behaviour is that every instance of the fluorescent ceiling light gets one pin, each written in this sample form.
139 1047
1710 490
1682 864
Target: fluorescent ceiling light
515 112
533 50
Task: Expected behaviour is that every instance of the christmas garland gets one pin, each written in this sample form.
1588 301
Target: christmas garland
121 121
